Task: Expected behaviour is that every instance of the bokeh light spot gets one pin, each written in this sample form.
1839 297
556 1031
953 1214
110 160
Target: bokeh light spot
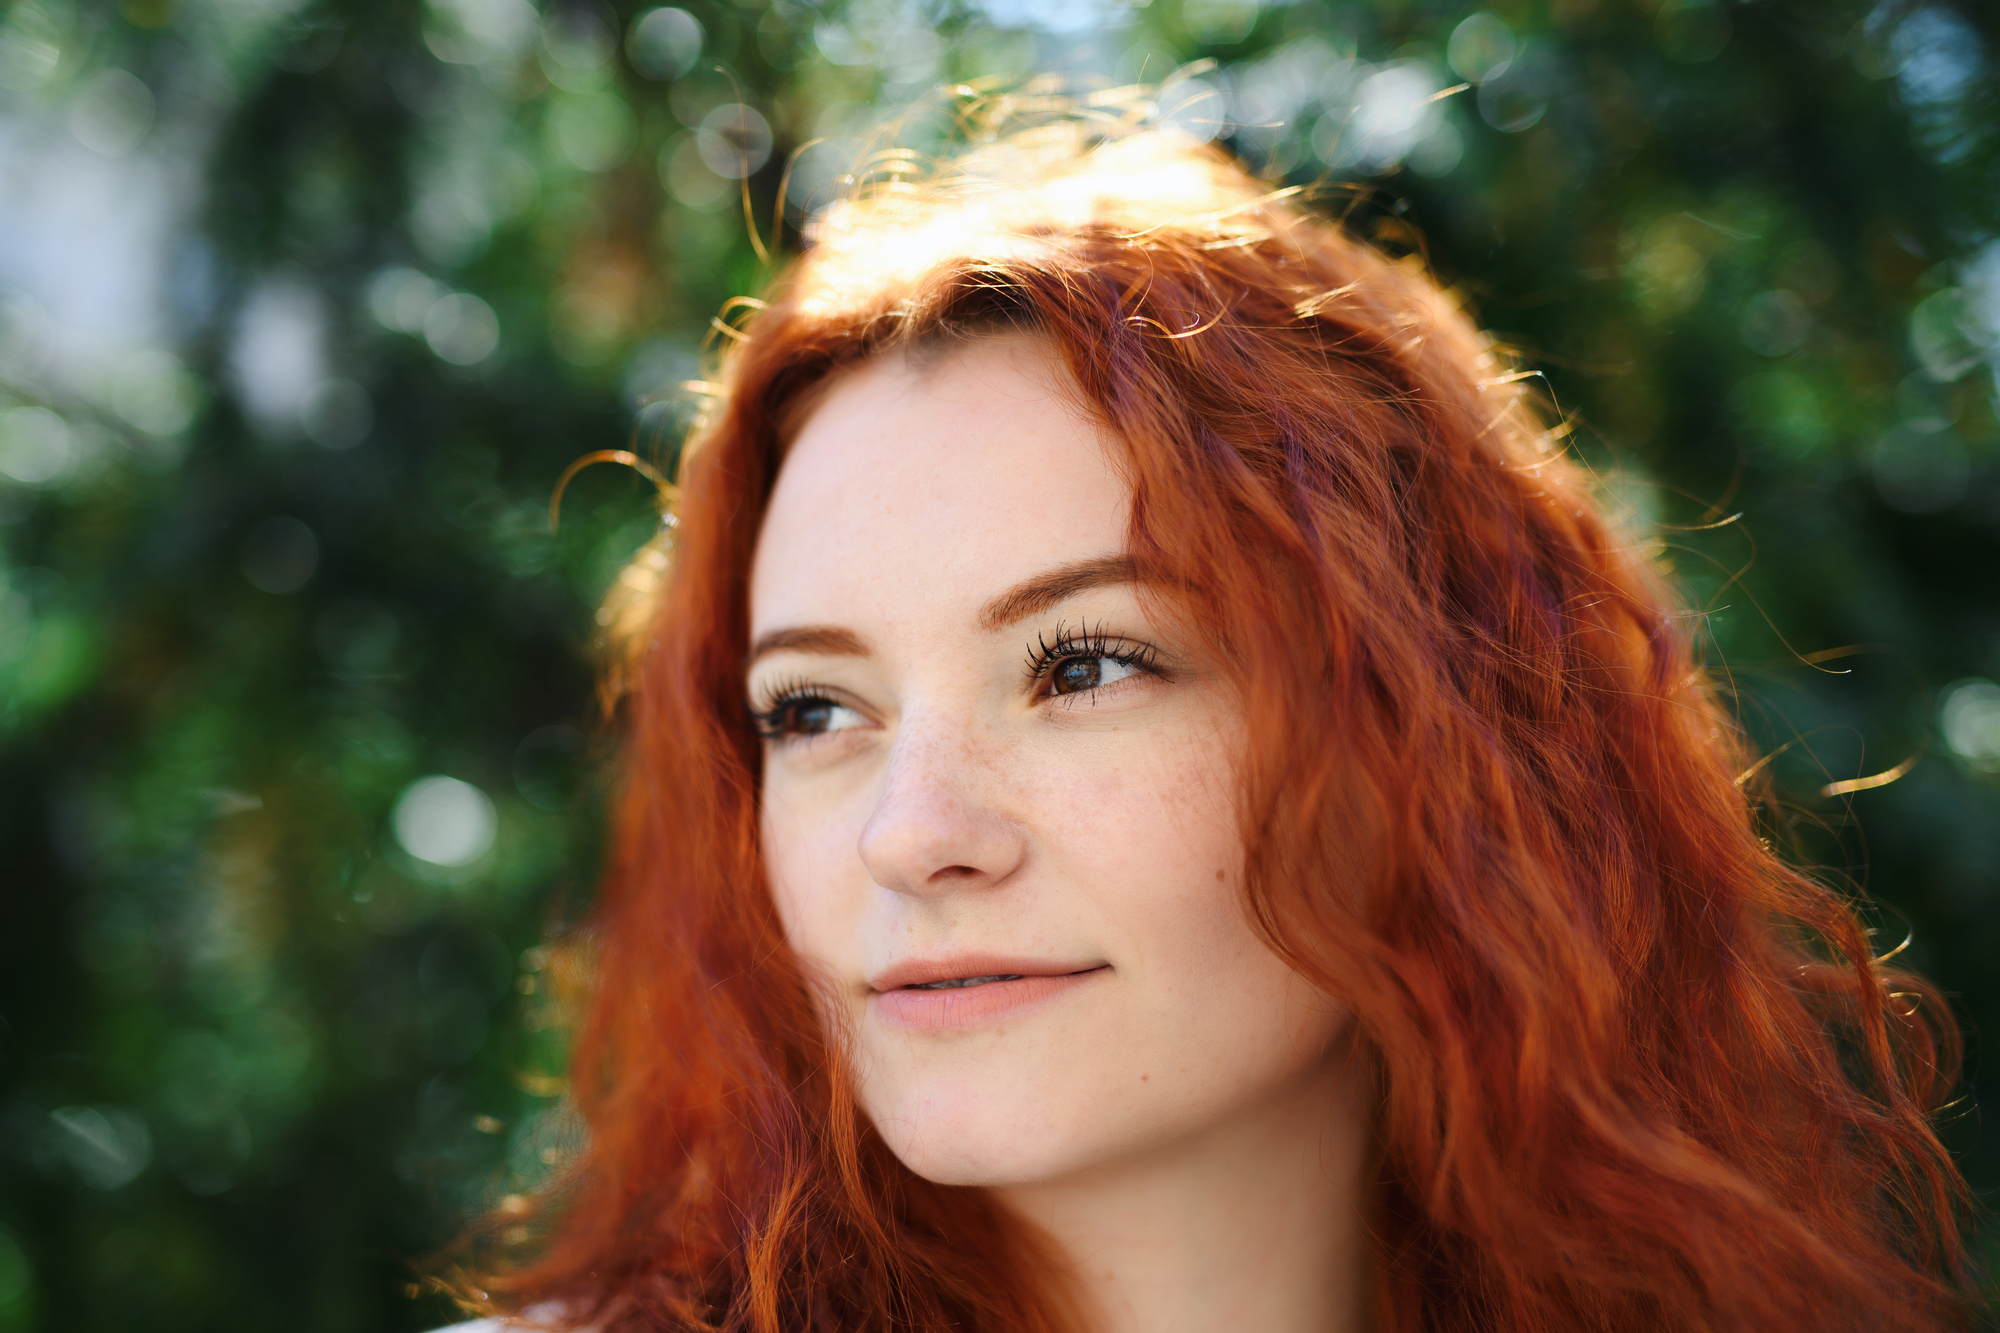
112 113
31 45
1969 717
461 329
688 178
1516 96
105 1146
154 392
400 297
593 130
734 140
579 36
277 353
36 447
1393 112
444 821
1670 270
1440 151
664 43
469 32
1946 334
450 226
1213 22
1480 48
700 92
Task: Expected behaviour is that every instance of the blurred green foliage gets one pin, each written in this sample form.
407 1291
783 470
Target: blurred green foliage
305 304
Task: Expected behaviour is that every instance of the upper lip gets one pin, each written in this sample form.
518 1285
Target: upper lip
923 971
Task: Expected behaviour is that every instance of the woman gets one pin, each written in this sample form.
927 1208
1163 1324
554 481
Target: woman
1155 800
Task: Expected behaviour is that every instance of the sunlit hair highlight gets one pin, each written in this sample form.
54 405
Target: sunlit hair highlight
1636 1071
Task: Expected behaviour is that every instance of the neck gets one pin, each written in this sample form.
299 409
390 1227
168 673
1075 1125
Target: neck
1258 1224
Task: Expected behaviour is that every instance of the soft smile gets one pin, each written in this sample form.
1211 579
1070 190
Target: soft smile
939 995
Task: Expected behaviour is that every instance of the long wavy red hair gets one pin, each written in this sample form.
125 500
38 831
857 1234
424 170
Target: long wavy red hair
1635 1071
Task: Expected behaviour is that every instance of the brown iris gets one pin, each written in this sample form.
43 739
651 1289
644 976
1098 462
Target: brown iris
1073 675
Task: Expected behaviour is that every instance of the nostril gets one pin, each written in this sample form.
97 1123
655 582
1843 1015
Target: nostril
950 873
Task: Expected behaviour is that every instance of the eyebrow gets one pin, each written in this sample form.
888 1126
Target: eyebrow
1036 595
820 640
1028 598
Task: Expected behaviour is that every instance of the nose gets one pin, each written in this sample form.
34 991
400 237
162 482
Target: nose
936 827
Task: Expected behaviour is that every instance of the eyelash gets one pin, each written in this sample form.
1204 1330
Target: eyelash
779 697
1086 642
768 715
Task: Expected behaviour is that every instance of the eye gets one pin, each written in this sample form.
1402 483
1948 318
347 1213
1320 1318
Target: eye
1086 659
1074 675
806 715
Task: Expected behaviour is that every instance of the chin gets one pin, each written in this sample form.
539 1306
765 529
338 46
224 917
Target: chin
978 1133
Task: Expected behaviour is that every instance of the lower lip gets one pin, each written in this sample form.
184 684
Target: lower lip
973 1006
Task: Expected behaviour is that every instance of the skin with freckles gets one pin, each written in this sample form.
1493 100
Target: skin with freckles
999 821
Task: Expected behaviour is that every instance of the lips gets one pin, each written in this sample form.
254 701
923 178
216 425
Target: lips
966 991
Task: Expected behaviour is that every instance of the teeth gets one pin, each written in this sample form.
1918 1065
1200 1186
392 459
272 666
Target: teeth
955 983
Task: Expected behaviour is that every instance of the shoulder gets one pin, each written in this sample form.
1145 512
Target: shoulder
529 1322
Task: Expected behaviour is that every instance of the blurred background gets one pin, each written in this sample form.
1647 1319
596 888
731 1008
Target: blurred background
305 305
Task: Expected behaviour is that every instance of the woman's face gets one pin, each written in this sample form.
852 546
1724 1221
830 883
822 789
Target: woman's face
998 807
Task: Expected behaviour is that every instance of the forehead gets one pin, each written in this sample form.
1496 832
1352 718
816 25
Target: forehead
932 484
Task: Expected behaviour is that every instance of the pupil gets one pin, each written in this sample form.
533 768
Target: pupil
1078 673
813 716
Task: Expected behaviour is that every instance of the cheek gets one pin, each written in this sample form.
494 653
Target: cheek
1155 816
796 845
1154 839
